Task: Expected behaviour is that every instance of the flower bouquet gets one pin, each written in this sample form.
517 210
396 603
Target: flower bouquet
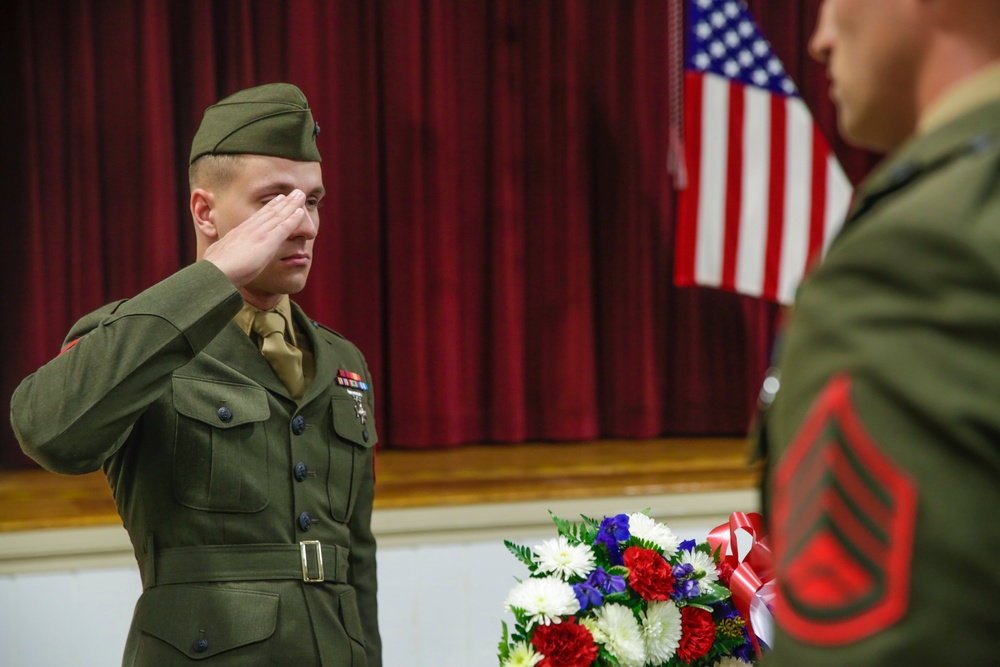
623 592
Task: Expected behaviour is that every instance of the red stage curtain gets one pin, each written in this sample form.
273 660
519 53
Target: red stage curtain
498 232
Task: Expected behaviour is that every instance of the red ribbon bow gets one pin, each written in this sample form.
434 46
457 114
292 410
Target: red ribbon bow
753 572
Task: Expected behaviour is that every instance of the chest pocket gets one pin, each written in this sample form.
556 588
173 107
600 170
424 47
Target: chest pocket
350 451
220 448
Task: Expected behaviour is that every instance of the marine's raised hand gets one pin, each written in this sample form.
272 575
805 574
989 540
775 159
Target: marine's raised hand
248 248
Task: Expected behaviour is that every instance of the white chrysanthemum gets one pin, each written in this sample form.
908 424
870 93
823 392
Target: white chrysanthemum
590 623
523 655
702 562
643 527
729 661
560 557
545 600
621 635
661 631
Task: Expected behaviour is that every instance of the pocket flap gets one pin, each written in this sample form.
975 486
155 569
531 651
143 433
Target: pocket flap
347 422
220 404
203 621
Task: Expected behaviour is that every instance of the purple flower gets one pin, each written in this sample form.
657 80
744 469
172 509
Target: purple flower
688 545
587 595
683 570
592 591
612 531
686 588
605 582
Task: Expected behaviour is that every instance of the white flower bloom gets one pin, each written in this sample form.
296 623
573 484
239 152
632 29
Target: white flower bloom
523 655
560 557
702 562
641 526
590 623
621 634
729 661
661 631
545 600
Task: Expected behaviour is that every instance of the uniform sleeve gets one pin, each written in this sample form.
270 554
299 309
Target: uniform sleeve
76 410
363 573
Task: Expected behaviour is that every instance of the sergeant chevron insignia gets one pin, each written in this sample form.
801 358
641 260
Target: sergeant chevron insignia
843 530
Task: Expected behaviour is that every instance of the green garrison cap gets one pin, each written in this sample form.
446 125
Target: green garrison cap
273 119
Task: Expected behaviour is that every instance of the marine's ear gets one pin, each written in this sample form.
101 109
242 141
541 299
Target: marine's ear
202 212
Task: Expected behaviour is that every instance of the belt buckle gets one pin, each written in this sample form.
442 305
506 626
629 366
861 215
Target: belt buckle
304 551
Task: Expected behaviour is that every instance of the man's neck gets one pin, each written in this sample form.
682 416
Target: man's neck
261 301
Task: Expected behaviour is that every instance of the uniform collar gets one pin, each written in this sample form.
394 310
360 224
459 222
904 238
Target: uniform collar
979 89
244 318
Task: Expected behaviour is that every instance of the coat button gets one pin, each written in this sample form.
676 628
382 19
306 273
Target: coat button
364 434
200 646
225 414
301 470
305 521
299 425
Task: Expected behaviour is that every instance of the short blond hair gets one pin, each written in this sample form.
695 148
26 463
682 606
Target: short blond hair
214 171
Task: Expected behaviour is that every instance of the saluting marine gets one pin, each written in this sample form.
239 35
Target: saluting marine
240 460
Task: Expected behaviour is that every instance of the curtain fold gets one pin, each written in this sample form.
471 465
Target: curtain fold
498 231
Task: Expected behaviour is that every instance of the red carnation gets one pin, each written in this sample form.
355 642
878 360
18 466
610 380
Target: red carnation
725 573
565 644
697 634
649 574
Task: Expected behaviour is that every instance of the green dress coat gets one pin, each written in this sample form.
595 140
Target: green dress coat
230 490
882 490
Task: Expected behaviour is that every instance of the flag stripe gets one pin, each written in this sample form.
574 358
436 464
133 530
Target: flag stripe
687 205
757 151
838 201
817 212
776 197
734 181
798 197
712 191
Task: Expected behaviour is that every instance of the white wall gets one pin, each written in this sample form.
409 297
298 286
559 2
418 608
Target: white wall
443 576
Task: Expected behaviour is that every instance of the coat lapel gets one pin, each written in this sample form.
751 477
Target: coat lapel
324 355
234 348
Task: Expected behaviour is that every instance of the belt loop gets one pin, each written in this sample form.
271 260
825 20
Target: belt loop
147 563
317 549
343 563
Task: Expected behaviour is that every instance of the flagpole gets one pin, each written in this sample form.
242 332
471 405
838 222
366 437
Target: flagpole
676 165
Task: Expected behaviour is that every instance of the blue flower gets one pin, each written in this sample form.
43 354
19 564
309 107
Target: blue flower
686 588
612 531
688 545
587 595
683 570
592 591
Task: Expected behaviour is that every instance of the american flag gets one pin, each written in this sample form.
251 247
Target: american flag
765 194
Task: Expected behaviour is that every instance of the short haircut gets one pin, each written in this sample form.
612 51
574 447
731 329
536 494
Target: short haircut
214 171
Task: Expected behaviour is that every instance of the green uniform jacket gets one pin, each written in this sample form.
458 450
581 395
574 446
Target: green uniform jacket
883 482
219 476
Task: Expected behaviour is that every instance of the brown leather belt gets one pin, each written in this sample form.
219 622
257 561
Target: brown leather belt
308 561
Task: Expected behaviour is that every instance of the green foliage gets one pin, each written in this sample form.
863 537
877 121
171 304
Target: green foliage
565 527
503 650
605 659
522 553
583 533
710 594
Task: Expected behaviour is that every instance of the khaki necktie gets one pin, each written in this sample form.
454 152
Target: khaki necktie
285 359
